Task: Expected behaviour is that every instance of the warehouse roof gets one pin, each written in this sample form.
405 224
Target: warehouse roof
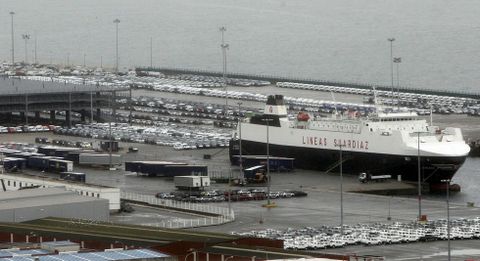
40 197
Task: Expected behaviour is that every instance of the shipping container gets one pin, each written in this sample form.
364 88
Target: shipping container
58 165
165 168
14 164
63 152
38 162
74 176
105 146
191 182
99 159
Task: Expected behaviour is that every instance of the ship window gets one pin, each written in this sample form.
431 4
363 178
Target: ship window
14 183
8 183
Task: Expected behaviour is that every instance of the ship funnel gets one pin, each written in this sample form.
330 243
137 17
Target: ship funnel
275 106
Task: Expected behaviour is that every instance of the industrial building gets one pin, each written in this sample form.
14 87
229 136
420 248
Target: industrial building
30 204
17 181
28 96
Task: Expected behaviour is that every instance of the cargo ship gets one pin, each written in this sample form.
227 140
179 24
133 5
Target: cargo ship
377 143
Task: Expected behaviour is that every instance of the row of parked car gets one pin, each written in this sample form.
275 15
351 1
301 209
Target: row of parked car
372 234
221 196
27 128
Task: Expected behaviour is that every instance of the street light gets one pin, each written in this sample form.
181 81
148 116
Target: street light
151 52
391 61
116 22
447 181
341 188
240 140
26 37
419 175
13 44
269 204
397 61
35 48
84 58
224 47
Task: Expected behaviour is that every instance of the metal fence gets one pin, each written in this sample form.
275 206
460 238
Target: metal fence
216 215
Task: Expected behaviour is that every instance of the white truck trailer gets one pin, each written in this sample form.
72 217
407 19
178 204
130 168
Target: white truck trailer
366 177
191 182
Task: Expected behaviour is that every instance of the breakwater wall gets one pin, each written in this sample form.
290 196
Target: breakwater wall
274 79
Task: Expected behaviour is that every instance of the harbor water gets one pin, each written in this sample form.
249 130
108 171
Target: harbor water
332 40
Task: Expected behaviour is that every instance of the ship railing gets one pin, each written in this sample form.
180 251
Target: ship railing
210 215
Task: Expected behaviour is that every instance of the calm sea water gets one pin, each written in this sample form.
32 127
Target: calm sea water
343 40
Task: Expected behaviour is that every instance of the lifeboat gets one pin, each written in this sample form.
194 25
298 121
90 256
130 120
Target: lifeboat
303 116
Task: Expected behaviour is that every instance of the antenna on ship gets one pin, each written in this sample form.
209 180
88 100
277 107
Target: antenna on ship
431 115
335 103
375 101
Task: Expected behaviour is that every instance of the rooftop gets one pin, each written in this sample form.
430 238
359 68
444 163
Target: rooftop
40 197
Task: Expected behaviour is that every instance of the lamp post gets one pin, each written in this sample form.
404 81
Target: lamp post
341 188
116 22
397 61
447 181
13 43
267 120
26 37
151 52
224 47
419 174
240 140
35 48
84 58
391 61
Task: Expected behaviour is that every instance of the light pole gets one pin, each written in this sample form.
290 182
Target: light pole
240 140
397 61
391 61
341 188
224 47
447 181
419 176
91 108
84 58
269 204
13 43
26 37
35 54
116 22
151 52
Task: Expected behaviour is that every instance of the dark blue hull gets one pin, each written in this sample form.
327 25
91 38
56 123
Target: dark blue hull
433 169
